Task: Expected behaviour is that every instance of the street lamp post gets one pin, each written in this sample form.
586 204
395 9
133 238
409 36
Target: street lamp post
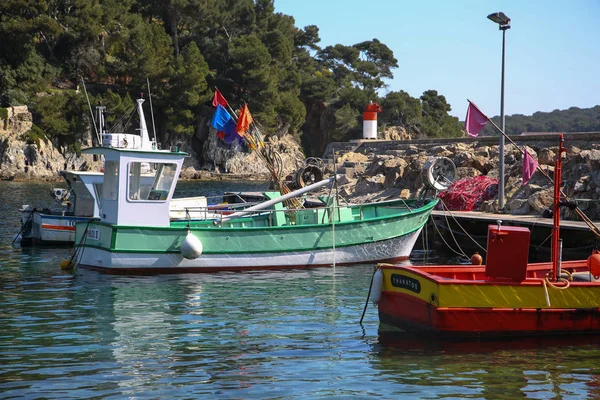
504 23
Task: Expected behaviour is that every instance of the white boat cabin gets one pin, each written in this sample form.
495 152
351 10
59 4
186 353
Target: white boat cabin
84 190
128 196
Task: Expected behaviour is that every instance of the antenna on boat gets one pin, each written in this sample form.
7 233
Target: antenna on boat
151 110
91 112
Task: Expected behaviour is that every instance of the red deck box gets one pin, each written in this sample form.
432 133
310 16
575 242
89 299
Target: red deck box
507 252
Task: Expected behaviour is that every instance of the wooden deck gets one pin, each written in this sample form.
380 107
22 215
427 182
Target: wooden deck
509 219
578 240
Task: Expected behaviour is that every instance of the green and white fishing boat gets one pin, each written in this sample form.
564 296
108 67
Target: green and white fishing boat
134 233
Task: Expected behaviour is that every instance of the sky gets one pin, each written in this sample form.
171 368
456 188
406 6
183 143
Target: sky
552 48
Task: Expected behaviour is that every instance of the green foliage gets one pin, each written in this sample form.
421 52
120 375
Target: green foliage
3 114
188 89
142 51
574 119
424 117
186 48
34 136
117 106
346 119
436 122
290 110
400 109
61 115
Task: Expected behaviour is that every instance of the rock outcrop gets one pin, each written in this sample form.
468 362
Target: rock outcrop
391 169
23 159
237 160
400 172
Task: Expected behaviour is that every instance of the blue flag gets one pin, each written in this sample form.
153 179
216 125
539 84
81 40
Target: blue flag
225 125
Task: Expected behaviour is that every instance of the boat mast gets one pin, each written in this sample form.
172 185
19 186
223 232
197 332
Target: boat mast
143 128
98 137
556 210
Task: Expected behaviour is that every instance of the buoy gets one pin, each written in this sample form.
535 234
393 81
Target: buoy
377 287
593 263
476 259
67 265
191 247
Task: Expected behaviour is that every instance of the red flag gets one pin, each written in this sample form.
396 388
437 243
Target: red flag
219 99
529 167
244 121
475 120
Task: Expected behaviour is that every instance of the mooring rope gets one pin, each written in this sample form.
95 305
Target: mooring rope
80 247
377 267
23 227
446 243
460 226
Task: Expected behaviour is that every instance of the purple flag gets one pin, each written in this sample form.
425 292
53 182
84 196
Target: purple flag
529 167
475 120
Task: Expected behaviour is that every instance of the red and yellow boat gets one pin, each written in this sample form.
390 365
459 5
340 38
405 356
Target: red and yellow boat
505 297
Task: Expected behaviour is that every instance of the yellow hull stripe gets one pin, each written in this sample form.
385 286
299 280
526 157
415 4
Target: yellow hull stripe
477 294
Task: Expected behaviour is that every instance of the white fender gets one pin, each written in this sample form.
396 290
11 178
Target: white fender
191 247
377 286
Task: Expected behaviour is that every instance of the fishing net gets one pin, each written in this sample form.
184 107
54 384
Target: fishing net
468 194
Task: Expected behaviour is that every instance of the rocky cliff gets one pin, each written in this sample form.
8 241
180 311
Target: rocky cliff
377 170
372 170
25 159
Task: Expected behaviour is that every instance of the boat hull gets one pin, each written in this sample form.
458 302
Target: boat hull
261 242
396 249
50 229
447 307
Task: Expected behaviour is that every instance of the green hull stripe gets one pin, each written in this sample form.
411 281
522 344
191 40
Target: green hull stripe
255 240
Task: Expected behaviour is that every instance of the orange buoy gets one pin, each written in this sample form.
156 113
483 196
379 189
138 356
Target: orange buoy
67 265
593 263
476 259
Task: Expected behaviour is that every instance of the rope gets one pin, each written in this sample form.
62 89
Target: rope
23 227
444 240
79 246
460 226
425 240
333 234
560 279
456 241
369 294
453 238
119 123
532 246
546 281
546 293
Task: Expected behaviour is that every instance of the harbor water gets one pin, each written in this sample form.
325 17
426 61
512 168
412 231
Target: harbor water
284 335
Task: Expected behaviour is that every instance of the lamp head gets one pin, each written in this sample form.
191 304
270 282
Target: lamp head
501 19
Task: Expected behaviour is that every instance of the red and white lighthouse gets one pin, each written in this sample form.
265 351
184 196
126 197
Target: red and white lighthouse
370 120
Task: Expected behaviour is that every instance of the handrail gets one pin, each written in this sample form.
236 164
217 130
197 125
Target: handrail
218 216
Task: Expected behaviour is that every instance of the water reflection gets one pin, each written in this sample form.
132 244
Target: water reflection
292 334
509 368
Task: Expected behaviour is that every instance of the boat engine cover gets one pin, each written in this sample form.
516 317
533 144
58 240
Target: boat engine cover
507 252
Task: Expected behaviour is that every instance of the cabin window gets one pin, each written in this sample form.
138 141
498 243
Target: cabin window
150 181
111 180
